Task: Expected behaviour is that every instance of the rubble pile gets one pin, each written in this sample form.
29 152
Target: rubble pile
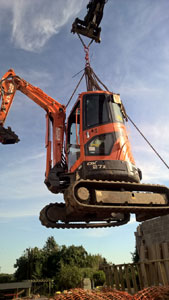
151 293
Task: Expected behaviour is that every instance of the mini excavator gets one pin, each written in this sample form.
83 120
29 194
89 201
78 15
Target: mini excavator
88 158
96 171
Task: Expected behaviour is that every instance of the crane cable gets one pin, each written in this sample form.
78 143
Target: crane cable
75 90
92 82
148 142
91 77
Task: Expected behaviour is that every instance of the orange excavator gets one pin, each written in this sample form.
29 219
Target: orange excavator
89 158
92 163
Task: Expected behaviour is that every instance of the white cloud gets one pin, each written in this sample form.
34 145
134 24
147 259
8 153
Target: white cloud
152 167
39 78
153 172
35 22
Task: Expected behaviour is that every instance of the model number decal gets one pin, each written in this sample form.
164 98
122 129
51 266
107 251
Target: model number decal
99 167
94 165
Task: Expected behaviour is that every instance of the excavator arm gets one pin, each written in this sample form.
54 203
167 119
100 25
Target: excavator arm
55 115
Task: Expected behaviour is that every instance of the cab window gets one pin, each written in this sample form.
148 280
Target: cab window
116 112
73 140
95 110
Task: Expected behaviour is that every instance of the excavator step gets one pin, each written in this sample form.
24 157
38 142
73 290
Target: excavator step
7 136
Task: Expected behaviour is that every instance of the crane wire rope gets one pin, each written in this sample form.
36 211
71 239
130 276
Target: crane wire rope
86 49
92 82
148 142
75 90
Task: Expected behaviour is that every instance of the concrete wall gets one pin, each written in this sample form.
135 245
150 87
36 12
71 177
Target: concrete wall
155 231
16 285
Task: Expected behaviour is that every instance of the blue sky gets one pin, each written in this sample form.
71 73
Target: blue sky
132 59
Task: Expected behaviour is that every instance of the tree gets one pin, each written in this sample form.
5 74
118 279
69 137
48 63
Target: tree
99 278
51 263
135 256
21 265
69 277
30 264
67 266
95 261
74 255
4 278
50 245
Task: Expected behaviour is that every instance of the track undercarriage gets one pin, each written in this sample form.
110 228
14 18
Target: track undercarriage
93 204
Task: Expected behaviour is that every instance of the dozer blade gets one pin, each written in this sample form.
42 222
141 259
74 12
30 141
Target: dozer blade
7 136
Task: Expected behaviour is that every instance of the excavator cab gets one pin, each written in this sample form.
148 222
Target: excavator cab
97 142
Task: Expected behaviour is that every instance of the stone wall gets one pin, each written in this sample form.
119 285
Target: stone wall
151 232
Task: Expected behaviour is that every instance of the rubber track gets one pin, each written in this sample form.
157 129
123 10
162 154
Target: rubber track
129 186
45 221
123 209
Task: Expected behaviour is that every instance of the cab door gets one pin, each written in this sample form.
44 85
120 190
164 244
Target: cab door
73 136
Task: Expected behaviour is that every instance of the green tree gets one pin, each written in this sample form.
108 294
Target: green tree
4 278
69 277
135 256
73 255
52 265
67 266
99 278
94 261
51 245
21 265
30 264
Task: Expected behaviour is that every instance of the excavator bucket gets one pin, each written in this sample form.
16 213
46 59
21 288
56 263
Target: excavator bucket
90 25
89 31
7 136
